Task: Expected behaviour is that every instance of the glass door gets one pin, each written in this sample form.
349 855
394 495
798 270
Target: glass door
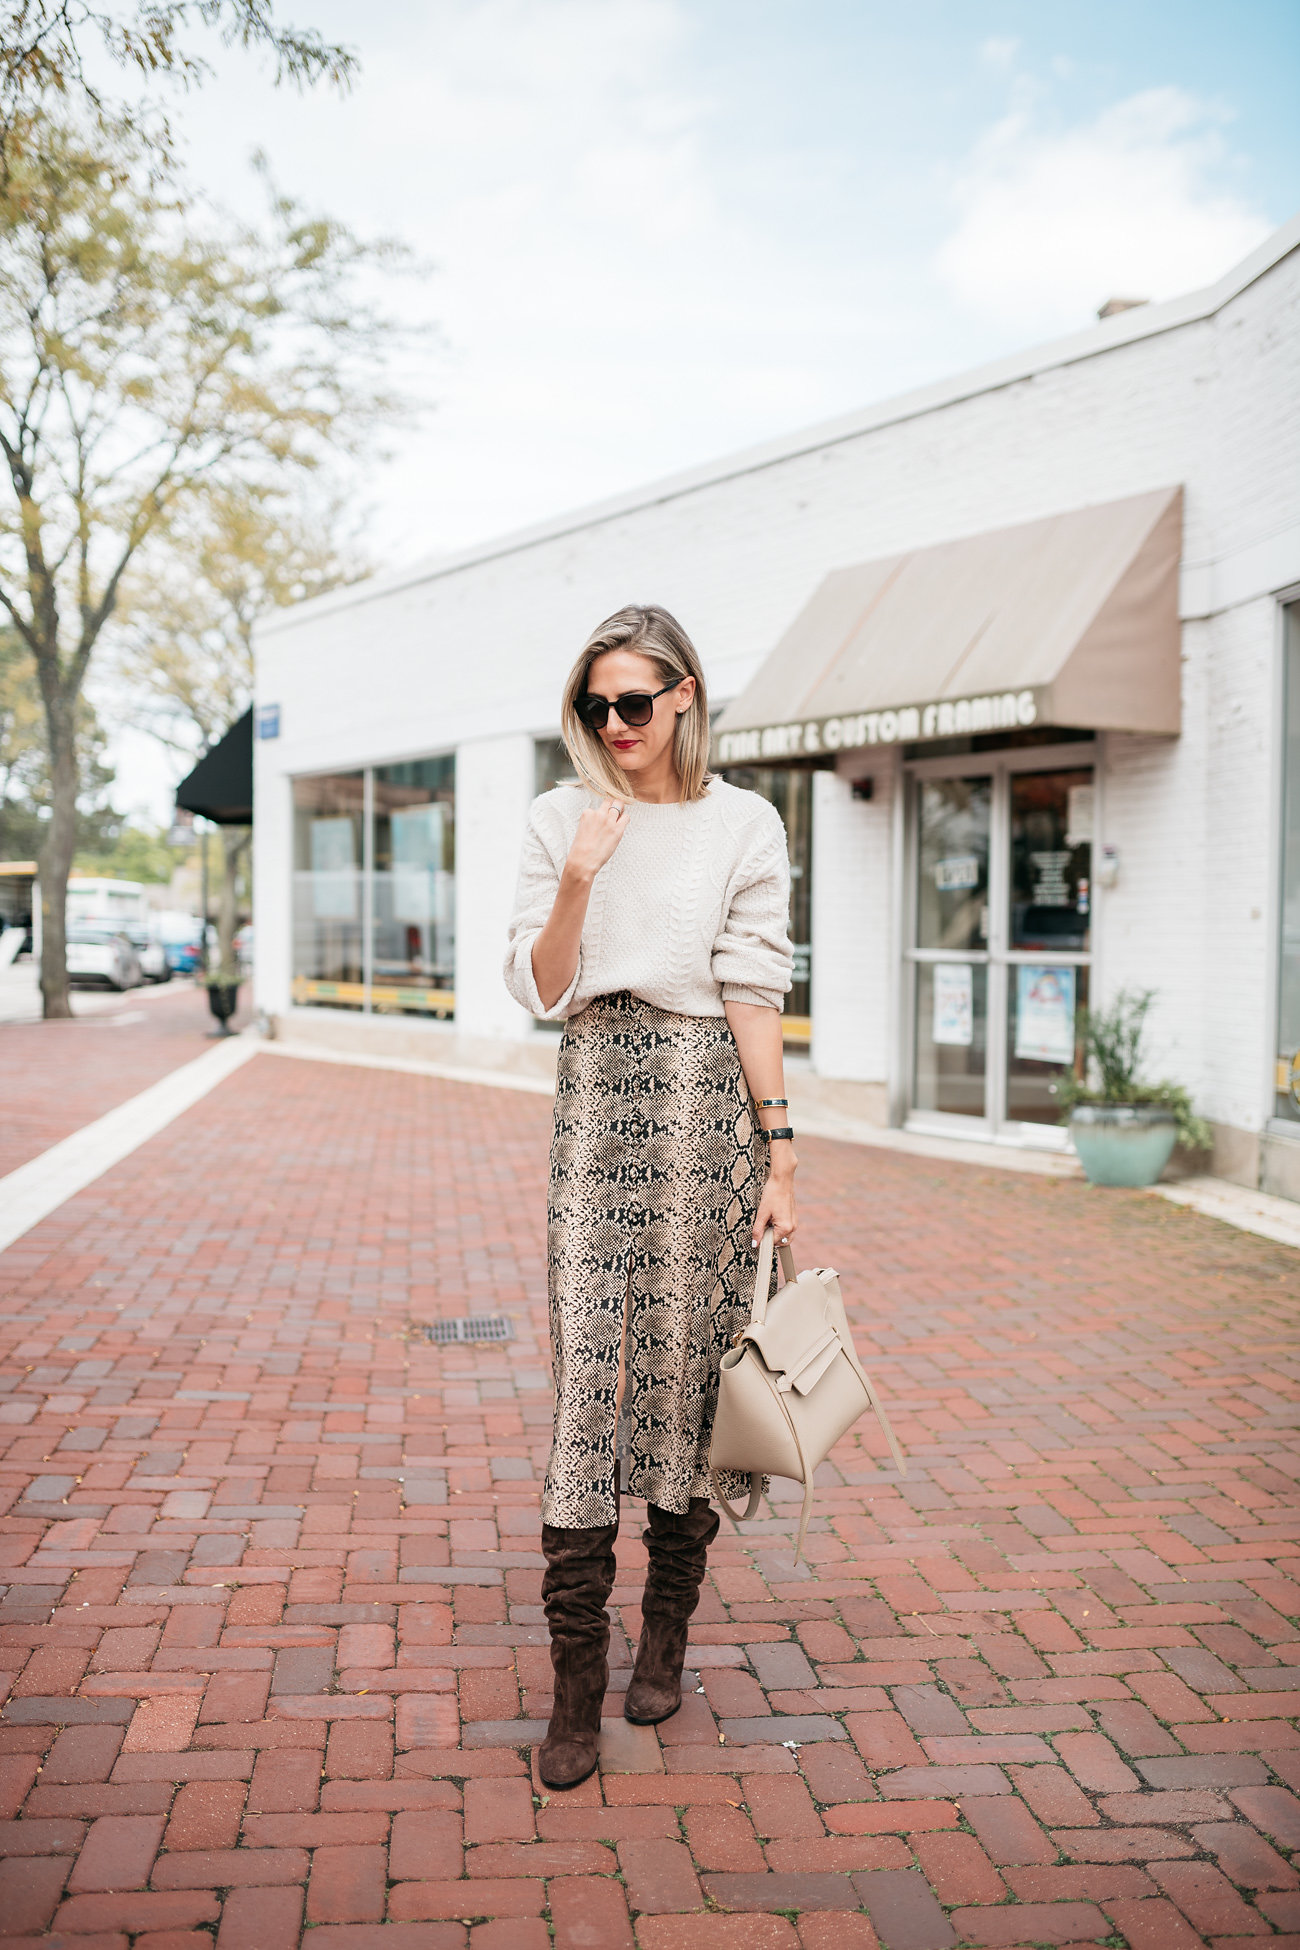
950 972
999 921
1049 936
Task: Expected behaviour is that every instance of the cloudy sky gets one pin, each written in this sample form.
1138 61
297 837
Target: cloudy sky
659 230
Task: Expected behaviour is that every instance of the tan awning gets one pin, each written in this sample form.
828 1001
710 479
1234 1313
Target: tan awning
1071 621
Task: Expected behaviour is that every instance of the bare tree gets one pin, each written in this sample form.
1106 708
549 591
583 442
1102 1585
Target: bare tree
150 358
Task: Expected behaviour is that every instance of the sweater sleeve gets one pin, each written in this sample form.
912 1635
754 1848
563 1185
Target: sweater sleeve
752 956
540 866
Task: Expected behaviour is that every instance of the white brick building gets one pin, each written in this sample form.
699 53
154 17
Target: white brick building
952 918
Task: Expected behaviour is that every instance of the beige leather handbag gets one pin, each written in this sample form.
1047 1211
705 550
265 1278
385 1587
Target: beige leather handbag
791 1385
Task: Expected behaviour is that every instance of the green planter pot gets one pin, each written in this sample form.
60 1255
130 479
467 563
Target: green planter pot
1123 1144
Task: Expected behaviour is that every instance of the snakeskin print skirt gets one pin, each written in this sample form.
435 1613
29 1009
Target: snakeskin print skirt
656 1171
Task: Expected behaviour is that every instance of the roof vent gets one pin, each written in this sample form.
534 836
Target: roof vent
1112 305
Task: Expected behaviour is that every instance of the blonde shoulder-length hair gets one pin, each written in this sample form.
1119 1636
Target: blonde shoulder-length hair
651 633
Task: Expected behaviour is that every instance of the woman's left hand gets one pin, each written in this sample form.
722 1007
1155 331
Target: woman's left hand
776 1207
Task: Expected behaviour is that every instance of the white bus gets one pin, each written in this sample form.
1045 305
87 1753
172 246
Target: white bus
104 900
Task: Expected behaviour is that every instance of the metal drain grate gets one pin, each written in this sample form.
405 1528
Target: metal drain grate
468 1327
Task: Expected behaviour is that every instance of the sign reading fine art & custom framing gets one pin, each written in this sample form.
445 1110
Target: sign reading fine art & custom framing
911 724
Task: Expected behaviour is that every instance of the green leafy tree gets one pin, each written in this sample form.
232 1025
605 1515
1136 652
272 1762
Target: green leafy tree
22 749
45 44
188 616
151 359
134 852
24 765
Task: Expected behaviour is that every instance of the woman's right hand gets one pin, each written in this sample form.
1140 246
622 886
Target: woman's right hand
557 948
599 831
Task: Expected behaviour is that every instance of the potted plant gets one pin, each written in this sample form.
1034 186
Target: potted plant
1124 1129
223 995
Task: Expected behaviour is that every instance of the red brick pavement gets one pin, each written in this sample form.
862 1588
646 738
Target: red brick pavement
272 1638
59 1076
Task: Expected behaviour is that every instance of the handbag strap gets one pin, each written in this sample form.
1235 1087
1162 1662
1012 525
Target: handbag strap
755 1496
763 1274
873 1399
806 1512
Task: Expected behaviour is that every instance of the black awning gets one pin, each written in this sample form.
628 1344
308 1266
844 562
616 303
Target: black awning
220 787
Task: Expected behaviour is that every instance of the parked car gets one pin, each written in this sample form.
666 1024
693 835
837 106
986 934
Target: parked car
182 938
103 956
152 955
183 957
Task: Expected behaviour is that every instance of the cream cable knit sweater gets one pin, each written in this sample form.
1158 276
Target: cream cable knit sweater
689 913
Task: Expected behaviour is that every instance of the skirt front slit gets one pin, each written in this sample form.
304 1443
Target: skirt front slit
656 1169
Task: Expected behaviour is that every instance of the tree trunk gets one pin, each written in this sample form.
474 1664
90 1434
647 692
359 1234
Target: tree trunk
56 854
234 844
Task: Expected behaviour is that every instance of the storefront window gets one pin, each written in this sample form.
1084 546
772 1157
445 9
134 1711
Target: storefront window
328 889
552 765
374 889
1051 859
413 905
951 1036
1045 1004
952 891
1288 1043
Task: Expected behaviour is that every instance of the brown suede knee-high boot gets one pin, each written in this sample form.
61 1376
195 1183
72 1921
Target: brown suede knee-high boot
578 1579
678 1548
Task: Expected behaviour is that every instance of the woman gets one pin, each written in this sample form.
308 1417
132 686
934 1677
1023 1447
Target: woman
651 915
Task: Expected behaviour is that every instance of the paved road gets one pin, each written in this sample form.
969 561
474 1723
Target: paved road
272 1625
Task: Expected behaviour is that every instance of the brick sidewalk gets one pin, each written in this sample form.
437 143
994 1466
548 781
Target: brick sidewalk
273 1628
59 1076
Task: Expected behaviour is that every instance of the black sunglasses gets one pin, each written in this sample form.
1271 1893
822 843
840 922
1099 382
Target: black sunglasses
634 707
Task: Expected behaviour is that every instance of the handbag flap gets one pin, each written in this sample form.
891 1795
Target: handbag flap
816 1365
799 1327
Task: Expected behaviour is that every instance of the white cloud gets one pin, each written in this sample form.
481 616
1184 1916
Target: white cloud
546 157
1130 204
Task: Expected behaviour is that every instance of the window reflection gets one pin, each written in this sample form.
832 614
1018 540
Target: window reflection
1044 1040
413 898
951 1038
327 890
952 893
790 789
402 910
552 765
1051 859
